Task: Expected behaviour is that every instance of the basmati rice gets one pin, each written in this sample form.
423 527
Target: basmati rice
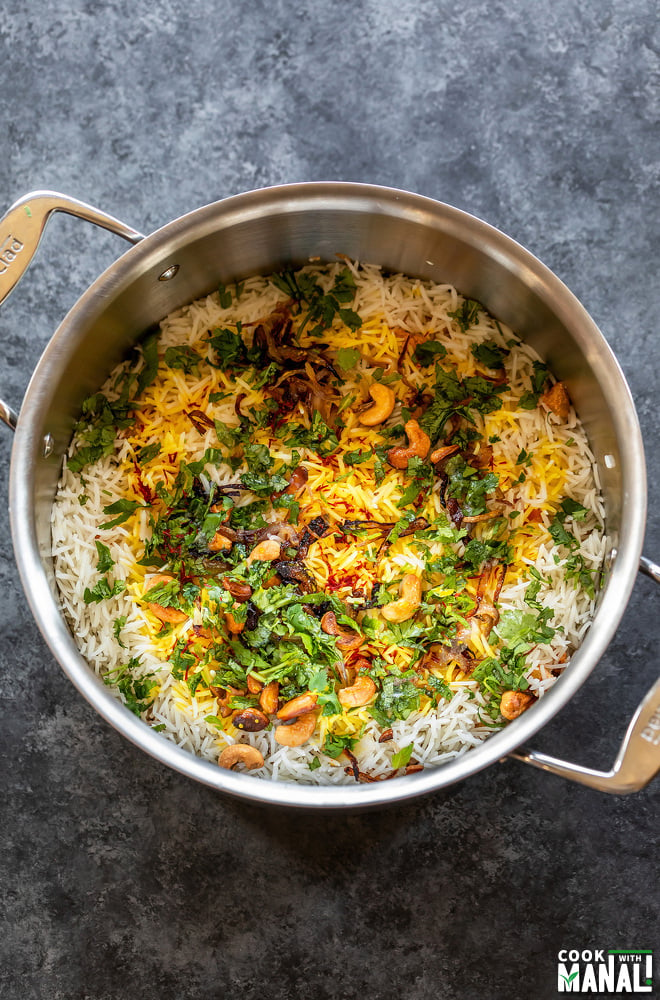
230 370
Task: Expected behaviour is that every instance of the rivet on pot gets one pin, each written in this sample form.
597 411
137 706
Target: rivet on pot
49 444
169 272
610 462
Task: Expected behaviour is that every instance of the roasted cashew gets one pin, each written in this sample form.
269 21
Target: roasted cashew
347 639
269 697
358 694
514 703
301 705
220 543
232 625
241 753
384 400
265 551
253 685
418 445
444 452
169 616
297 733
409 601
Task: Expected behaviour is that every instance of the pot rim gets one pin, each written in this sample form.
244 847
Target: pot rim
303 197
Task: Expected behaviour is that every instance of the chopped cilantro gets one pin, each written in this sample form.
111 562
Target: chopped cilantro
348 357
489 354
118 625
334 746
470 489
122 508
357 457
224 296
396 700
185 358
429 351
466 314
228 346
147 453
103 590
540 375
105 560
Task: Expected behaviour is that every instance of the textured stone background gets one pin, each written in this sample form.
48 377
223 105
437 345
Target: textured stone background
120 878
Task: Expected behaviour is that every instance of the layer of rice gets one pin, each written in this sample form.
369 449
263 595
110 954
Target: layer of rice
561 465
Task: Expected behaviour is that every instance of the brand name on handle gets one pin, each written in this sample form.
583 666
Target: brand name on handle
651 731
8 251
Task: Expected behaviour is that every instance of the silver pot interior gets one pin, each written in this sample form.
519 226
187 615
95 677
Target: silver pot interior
267 230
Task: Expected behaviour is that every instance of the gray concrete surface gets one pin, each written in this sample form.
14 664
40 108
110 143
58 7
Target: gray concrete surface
121 879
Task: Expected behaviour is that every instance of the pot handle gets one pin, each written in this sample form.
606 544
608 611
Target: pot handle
21 230
638 759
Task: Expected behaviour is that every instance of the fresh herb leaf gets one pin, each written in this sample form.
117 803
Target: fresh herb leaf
357 457
466 314
489 354
262 484
574 509
470 489
540 375
147 453
334 746
105 560
103 590
228 346
428 352
123 509
519 628
149 349
478 551
348 357
402 756
184 358
397 699
224 295
117 626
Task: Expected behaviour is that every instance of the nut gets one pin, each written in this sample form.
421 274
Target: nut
265 551
240 753
407 604
232 625
298 479
169 616
269 697
384 400
253 685
440 453
298 706
250 719
557 400
418 445
241 592
514 703
297 733
347 639
358 694
219 543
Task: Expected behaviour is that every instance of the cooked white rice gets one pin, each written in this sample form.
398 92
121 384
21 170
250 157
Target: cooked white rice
391 308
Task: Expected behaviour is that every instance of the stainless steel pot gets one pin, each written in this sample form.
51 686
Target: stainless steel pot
257 233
